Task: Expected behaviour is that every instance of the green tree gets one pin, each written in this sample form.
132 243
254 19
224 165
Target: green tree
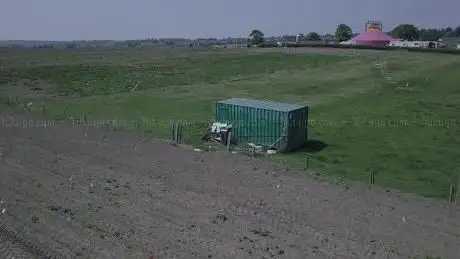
449 32
406 32
256 37
343 32
431 34
313 36
457 32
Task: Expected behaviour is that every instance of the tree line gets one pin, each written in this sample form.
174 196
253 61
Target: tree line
412 32
403 31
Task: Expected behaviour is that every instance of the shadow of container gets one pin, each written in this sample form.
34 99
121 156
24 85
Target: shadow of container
313 146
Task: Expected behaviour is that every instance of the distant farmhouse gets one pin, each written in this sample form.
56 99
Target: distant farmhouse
373 35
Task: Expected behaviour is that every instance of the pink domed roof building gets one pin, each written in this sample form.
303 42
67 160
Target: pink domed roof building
373 35
372 38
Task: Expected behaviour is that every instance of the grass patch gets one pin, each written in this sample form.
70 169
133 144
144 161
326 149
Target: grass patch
86 79
408 137
395 115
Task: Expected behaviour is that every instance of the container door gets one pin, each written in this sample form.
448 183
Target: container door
298 121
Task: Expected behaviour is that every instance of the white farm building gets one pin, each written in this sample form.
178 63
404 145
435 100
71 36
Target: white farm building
415 44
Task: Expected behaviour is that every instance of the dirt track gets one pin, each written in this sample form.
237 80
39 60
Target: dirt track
109 194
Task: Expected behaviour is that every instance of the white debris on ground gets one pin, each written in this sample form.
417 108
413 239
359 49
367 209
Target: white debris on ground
271 152
260 148
256 147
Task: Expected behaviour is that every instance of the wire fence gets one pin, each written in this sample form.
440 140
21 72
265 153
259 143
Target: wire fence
191 132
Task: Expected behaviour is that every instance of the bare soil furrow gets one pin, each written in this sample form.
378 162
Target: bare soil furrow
94 193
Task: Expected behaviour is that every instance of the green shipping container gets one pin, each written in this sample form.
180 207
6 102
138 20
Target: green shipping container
279 125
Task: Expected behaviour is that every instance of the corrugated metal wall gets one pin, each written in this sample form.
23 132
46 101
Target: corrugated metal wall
285 129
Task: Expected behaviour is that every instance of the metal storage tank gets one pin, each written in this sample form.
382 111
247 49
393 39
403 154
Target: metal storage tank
279 125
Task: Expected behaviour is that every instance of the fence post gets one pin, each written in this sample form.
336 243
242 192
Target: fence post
371 177
229 140
457 193
173 131
190 131
451 193
176 131
306 162
283 165
179 132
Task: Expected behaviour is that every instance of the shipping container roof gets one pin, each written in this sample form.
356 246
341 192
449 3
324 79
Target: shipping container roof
259 104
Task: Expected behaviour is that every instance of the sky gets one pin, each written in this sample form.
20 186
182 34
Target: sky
138 19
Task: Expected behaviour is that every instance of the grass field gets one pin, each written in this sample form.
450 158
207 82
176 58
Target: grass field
395 113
